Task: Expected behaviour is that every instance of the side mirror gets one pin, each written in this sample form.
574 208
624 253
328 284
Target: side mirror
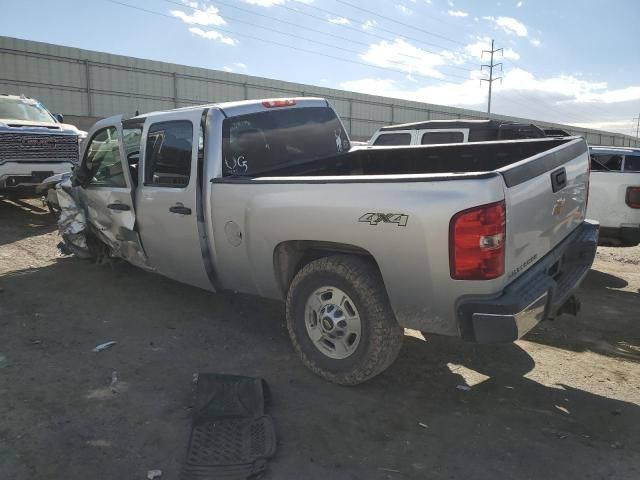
59 117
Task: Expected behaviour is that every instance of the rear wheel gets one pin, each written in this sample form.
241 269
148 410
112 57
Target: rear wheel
340 320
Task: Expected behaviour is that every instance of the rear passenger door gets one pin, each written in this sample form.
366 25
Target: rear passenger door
169 209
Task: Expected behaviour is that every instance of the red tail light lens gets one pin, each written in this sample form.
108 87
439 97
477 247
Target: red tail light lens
476 242
633 197
279 102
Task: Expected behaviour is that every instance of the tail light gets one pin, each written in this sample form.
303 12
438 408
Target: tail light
633 197
279 102
476 242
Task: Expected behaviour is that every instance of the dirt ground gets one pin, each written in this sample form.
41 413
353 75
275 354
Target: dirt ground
562 404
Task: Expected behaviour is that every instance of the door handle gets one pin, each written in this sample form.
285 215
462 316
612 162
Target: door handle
558 179
120 207
180 209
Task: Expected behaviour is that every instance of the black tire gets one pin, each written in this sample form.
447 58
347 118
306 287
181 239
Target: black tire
381 336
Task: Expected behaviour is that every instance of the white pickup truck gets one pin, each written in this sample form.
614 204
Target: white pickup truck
614 194
34 144
480 241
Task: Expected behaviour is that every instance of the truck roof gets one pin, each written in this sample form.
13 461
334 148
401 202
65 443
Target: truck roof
626 150
461 123
241 107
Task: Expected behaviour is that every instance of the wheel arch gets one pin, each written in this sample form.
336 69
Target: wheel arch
291 256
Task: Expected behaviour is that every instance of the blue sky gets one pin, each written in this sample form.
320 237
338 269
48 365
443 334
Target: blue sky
565 61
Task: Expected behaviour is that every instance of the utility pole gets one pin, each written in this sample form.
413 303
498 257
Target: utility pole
491 66
637 125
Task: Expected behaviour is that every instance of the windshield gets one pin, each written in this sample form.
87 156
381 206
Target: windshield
259 142
24 109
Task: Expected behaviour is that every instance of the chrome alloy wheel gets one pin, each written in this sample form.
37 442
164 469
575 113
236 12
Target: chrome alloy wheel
333 323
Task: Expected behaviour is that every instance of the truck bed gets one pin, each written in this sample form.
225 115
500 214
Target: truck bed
428 159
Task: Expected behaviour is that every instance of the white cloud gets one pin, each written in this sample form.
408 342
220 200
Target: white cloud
213 35
450 3
339 20
369 24
475 49
403 56
205 16
509 25
560 99
404 9
535 42
457 13
519 4
235 67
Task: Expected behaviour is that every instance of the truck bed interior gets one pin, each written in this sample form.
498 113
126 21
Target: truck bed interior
453 158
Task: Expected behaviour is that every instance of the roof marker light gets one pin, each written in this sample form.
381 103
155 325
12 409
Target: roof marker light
278 102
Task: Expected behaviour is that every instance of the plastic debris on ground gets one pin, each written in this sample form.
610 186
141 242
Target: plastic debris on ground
153 474
104 346
464 388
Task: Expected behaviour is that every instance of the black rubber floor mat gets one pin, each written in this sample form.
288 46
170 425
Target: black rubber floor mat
231 437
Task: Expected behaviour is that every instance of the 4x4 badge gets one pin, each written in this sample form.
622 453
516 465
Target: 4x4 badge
399 219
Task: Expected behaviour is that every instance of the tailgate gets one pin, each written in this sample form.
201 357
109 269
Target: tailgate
608 199
546 198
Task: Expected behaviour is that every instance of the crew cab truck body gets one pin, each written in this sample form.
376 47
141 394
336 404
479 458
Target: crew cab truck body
34 144
268 198
434 132
614 194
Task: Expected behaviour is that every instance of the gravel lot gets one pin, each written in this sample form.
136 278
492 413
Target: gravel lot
562 404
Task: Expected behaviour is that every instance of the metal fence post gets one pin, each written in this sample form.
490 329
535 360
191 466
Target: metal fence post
87 73
350 117
175 90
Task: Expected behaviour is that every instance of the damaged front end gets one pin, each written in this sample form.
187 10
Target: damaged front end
72 222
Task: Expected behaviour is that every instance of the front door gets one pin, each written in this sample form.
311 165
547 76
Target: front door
168 196
107 185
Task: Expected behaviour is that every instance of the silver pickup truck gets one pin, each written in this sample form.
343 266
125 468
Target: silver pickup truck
480 241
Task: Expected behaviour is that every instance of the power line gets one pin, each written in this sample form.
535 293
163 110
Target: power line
404 24
271 18
279 44
366 32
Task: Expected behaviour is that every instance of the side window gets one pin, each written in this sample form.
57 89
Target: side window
632 163
606 162
433 138
168 154
387 139
103 161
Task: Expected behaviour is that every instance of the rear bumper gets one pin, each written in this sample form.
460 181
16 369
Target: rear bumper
540 293
626 236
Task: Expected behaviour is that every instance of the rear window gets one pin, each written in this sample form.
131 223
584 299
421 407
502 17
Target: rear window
433 138
632 163
606 162
264 141
393 139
